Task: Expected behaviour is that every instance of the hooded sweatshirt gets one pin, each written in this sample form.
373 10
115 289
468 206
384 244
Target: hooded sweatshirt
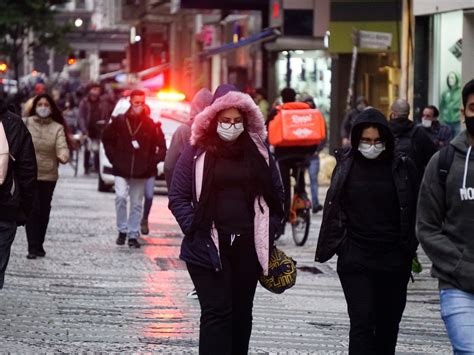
180 138
445 220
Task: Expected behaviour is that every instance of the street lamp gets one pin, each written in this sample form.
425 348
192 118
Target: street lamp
78 22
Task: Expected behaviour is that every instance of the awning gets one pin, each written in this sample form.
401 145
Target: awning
111 75
265 35
153 71
154 83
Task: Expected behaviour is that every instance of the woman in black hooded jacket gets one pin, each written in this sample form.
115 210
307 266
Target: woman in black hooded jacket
369 221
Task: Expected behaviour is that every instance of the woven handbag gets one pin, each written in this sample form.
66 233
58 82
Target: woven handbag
281 272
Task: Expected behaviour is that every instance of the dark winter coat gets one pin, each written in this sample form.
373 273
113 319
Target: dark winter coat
127 161
200 247
18 190
333 227
445 221
413 141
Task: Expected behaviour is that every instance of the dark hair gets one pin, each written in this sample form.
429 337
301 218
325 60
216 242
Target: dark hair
385 136
90 86
56 115
137 93
467 90
288 95
261 91
434 109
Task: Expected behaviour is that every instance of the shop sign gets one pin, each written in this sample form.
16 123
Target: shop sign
374 40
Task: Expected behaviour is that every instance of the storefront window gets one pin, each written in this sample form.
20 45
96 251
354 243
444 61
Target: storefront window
447 52
309 74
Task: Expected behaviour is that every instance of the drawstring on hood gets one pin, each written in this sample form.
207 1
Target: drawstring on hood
466 164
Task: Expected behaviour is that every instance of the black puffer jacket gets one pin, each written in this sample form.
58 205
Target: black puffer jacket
127 161
413 141
18 190
333 228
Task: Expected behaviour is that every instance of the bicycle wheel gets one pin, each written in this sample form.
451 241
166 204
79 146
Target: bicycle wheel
300 227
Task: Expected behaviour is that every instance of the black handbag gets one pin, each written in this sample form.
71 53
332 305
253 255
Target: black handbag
281 272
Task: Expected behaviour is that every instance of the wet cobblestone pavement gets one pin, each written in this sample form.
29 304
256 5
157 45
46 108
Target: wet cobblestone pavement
89 294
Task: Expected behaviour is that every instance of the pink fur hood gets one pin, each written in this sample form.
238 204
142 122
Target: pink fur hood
233 99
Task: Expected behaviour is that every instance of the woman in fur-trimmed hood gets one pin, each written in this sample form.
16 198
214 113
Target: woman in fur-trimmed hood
227 197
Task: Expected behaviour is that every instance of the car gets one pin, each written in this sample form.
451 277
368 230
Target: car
8 86
170 113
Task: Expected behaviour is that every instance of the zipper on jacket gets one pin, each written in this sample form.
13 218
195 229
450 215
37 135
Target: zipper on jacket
132 165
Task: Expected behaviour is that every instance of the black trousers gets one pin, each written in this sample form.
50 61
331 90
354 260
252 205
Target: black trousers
226 297
38 220
375 303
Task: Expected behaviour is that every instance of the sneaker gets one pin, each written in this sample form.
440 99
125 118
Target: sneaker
192 294
121 238
317 208
31 256
144 227
133 243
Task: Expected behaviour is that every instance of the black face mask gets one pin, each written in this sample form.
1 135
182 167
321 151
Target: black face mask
470 124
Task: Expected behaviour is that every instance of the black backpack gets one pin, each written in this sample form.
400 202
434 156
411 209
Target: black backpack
445 160
404 143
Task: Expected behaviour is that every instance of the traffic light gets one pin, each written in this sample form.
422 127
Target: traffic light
3 67
71 59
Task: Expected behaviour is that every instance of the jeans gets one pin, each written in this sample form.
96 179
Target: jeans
313 171
455 128
7 234
135 189
38 220
149 193
375 303
457 311
226 297
91 148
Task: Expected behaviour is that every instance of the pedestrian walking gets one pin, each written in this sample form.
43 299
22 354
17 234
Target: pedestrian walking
150 181
181 136
439 133
48 131
38 89
131 145
18 188
445 228
349 119
180 141
262 102
410 139
369 222
227 197
91 124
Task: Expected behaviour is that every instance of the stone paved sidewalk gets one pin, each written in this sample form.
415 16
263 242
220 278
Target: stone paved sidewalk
89 294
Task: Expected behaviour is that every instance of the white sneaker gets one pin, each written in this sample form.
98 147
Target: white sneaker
192 294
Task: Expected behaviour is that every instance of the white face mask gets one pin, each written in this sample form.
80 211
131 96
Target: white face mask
231 133
137 110
426 123
43 112
370 151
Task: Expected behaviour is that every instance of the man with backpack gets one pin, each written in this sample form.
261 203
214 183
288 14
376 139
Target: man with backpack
410 139
445 228
288 156
18 172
